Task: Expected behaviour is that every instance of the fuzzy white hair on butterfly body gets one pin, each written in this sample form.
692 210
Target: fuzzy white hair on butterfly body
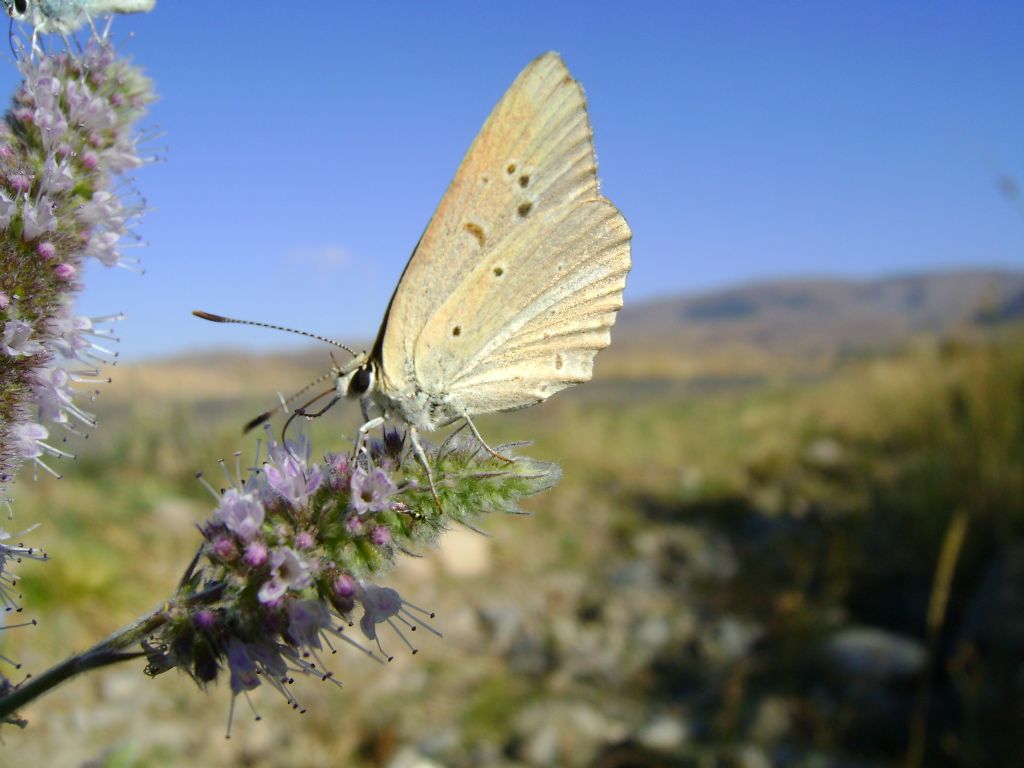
64 16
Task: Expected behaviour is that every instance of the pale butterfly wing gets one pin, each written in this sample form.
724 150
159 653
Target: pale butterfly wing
507 340
515 283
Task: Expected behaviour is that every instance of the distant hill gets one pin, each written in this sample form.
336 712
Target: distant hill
756 328
748 333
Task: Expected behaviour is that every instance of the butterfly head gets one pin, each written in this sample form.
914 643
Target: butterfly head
357 379
15 7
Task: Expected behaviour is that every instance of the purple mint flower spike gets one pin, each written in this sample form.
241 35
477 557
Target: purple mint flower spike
289 552
58 207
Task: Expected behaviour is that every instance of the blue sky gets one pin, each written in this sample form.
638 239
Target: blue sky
307 144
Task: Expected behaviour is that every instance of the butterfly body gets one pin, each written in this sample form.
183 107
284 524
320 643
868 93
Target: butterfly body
68 15
362 379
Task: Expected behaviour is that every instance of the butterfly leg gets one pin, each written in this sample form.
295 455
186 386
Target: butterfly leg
363 430
422 456
476 433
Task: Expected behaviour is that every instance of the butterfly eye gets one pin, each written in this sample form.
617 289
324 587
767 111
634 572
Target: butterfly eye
360 381
20 6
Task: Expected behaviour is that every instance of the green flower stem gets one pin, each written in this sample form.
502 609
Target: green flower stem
111 650
108 651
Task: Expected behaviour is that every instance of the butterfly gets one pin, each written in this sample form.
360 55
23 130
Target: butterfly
515 283
68 15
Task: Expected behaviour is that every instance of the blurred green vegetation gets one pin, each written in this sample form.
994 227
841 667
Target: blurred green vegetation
754 562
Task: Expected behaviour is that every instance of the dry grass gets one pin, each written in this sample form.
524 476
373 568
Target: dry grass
121 527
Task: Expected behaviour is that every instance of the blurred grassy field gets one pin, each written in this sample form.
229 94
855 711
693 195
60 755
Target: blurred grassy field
703 569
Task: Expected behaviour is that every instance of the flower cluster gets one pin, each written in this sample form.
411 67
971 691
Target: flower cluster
65 144
292 551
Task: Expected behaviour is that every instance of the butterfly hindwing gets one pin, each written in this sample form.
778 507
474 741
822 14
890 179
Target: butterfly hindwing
535 328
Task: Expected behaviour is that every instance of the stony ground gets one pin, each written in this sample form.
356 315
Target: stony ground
727 578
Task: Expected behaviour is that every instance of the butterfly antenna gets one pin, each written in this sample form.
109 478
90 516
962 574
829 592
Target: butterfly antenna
221 319
265 416
301 411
